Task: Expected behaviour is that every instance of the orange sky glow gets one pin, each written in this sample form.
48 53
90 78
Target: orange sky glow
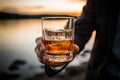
33 7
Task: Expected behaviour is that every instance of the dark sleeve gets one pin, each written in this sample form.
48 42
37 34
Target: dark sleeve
85 25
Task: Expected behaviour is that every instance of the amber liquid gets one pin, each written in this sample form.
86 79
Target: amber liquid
59 50
58 46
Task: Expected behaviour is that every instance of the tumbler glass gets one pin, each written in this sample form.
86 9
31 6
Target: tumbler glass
58 37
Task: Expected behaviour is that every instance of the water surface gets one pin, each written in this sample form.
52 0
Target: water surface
17 42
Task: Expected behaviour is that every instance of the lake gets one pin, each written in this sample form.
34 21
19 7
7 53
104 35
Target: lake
17 42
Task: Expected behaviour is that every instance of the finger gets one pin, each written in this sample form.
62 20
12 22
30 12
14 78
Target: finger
39 41
75 49
37 51
40 44
38 54
41 55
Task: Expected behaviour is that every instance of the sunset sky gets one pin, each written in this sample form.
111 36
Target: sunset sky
70 7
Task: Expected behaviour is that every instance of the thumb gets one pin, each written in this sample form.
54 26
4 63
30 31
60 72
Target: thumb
75 49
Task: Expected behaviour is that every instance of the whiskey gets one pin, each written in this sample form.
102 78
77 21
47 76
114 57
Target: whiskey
58 46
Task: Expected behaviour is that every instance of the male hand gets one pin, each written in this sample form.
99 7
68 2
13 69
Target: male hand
43 57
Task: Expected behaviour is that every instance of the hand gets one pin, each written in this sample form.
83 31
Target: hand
43 57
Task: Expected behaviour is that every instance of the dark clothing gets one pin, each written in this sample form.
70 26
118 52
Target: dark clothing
116 43
105 75
101 16
114 65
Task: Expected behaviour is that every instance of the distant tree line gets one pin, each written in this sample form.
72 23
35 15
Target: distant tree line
4 15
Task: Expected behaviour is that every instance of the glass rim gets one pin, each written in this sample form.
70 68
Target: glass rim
58 17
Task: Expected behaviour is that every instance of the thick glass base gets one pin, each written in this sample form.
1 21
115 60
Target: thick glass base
60 57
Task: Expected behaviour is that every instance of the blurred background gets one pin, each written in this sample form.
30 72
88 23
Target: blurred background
20 25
